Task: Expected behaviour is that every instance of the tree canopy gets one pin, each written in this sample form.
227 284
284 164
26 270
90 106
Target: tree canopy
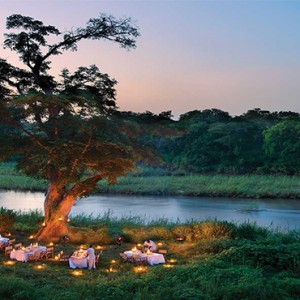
63 130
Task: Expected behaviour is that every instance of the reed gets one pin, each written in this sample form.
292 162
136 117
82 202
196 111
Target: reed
241 186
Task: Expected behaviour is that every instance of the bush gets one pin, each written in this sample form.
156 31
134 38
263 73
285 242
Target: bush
251 232
7 219
274 257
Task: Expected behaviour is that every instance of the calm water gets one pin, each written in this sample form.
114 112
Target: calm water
282 213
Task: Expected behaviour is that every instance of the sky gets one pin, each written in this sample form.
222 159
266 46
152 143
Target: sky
191 55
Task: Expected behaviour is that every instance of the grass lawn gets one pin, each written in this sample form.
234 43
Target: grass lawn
216 260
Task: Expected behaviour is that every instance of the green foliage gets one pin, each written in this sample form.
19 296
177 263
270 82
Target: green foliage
222 265
268 256
251 232
7 219
282 144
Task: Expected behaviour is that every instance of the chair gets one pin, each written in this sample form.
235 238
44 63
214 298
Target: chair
49 252
18 246
11 242
3 245
64 258
98 258
8 250
123 257
139 259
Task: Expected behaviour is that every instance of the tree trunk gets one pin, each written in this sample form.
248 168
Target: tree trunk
57 207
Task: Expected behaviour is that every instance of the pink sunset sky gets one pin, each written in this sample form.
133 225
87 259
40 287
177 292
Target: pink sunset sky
231 55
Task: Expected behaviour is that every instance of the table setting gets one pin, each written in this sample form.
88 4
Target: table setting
152 258
23 253
3 241
78 259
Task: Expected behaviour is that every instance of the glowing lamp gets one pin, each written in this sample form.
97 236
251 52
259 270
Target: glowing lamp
77 273
9 263
9 234
60 219
40 267
99 248
173 261
44 224
56 257
139 245
140 269
168 266
159 244
180 238
51 244
111 270
133 249
113 261
31 237
68 220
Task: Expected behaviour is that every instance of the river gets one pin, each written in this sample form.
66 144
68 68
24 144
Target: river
281 214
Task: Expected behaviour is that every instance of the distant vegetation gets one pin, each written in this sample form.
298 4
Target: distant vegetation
212 141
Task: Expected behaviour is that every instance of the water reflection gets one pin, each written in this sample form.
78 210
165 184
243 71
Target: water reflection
283 213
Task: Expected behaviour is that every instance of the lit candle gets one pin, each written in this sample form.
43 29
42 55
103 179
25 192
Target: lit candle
168 266
140 269
40 267
9 263
77 273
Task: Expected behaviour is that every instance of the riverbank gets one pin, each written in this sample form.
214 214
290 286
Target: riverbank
216 260
237 186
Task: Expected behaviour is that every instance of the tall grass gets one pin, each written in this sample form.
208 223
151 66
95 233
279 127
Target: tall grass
217 260
247 186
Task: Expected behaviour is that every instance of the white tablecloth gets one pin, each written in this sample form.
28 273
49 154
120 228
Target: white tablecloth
78 260
153 258
22 255
3 242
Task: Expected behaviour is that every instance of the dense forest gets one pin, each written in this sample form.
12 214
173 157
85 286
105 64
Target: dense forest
212 141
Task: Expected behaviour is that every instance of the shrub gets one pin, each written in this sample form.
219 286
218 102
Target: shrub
142 233
251 232
7 219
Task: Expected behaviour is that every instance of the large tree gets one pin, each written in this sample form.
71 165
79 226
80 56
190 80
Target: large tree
62 130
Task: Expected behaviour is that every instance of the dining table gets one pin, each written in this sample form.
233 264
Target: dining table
78 259
152 258
3 242
23 253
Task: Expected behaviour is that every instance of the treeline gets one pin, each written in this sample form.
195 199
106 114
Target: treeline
212 141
